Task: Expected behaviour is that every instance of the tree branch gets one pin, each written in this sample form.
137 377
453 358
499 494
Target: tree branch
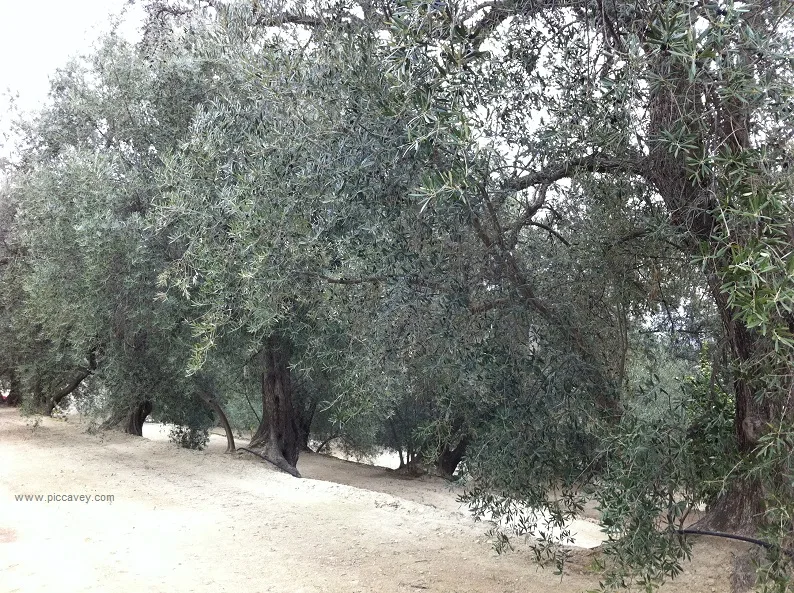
343 280
526 217
501 10
82 374
631 165
551 231
267 18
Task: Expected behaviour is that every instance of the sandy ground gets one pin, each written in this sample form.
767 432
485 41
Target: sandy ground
192 521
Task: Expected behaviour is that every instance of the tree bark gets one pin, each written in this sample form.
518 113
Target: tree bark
449 459
14 390
739 510
216 407
137 417
277 439
305 418
690 206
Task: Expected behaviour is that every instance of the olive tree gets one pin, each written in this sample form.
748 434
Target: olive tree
668 118
88 259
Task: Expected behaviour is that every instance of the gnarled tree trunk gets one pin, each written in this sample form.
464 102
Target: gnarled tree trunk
278 438
449 459
137 417
690 205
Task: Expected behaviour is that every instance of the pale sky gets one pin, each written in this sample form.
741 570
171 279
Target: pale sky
39 36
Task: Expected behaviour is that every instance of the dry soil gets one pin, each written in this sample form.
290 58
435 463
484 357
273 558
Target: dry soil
208 522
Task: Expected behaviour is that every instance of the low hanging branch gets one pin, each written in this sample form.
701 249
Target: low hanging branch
741 538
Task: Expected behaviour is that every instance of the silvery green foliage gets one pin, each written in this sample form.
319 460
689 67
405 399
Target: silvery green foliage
598 151
288 196
469 221
90 261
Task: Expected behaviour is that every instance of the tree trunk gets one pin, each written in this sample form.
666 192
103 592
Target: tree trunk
690 206
277 438
449 459
304 420
65 390
216 407
738 511
744 346
81 375
14 390
137 417
397 442
39 399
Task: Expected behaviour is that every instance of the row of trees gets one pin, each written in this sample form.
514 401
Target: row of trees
551 239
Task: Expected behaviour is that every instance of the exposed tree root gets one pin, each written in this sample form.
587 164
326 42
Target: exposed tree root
279 462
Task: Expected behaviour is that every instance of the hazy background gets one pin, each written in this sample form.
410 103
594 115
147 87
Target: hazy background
36 38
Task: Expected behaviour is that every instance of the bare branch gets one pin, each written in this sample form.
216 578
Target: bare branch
630 165
526 217
502 10
551 231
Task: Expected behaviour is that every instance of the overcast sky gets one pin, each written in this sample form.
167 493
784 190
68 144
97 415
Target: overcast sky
39 36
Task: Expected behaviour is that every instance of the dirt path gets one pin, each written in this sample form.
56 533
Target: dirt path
207 522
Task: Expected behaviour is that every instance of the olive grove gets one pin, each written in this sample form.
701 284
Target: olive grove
544 246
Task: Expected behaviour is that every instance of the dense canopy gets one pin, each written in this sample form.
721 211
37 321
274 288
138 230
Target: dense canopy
544 247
